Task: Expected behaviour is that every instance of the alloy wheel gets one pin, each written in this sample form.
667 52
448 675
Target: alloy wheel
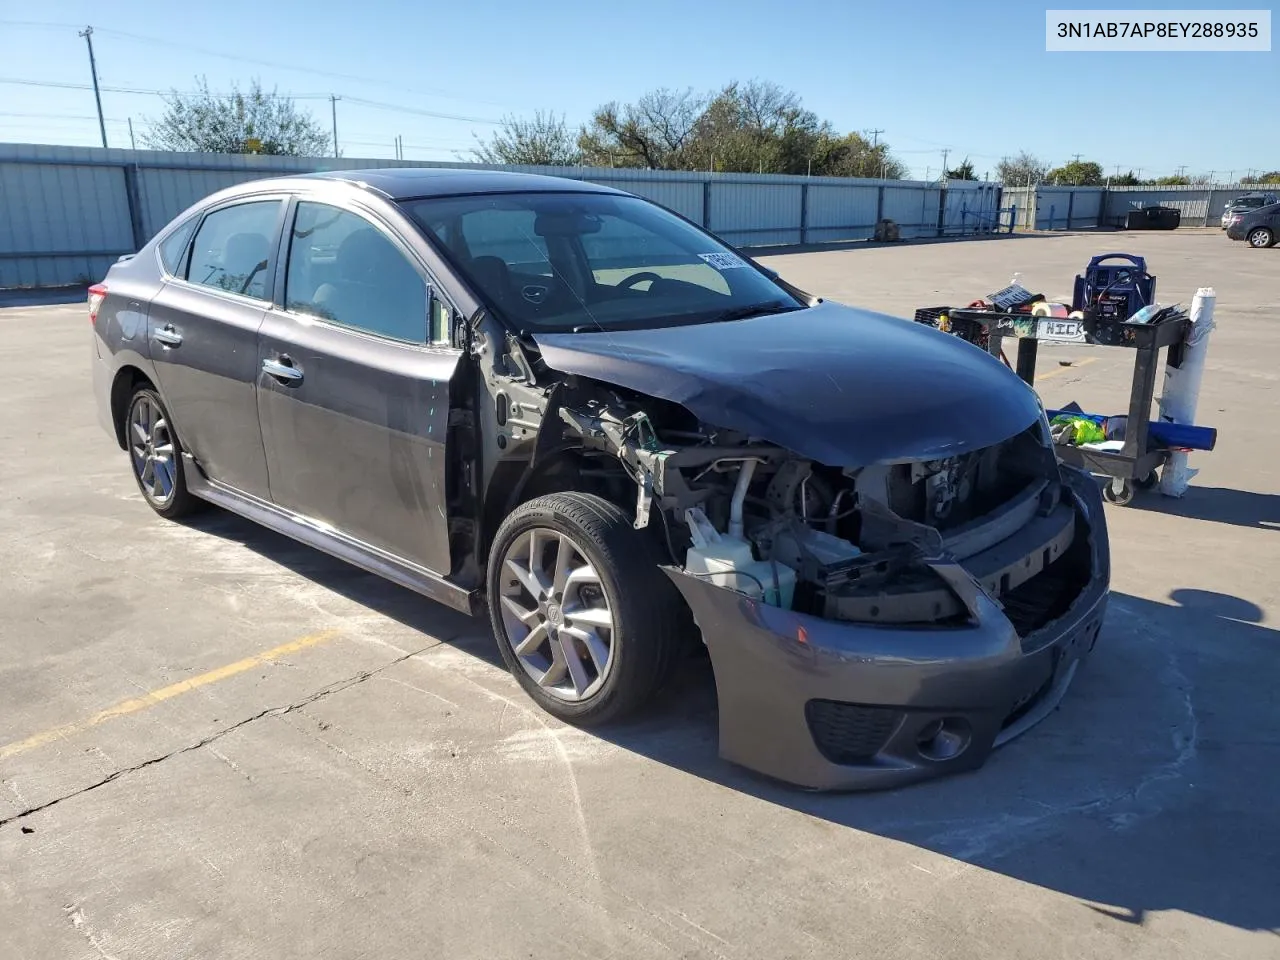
1260 238
151 450
556 616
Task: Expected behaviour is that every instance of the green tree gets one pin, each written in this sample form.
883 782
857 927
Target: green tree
253 121
543 139
1272 176
745 127
1022 170
963 172
1124 180
1172 181
854 156
1077 173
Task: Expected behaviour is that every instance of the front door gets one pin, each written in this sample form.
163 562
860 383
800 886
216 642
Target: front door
203 328
353 395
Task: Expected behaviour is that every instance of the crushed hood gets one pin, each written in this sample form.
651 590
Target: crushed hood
839 385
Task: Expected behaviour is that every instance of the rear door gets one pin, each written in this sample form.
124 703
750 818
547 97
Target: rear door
203 326
354 380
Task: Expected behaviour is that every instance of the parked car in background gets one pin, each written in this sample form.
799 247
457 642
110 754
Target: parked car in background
1250 201
572 409
1260 227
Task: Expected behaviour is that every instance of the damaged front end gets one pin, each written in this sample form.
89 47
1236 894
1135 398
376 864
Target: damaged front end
868 625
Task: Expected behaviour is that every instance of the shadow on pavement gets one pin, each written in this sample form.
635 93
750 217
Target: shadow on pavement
1241 508
1152 788
43 297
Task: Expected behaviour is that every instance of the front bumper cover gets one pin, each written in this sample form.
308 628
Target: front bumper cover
835 705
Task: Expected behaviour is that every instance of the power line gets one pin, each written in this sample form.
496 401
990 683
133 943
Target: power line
65 85
375 104
275 65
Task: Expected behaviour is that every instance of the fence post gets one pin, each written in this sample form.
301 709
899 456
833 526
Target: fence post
1053 208
942 209
879 203
804 213
1071 203
706 203
134 199
1013 216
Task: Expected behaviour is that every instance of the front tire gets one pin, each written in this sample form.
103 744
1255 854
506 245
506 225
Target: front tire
155 454
1261 237
585 620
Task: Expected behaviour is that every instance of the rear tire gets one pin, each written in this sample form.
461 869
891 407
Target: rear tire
1261 237
155 453
586 622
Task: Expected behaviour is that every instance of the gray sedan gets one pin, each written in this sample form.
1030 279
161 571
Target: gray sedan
587 417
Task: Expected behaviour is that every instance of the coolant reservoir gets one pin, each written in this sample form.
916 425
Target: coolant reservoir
728 562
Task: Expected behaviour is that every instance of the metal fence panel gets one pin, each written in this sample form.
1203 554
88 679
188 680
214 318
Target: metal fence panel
841 212
914 207
1084 207
755 214
970 206
70 221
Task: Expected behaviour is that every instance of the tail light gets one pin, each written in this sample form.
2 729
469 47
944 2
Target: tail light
97 293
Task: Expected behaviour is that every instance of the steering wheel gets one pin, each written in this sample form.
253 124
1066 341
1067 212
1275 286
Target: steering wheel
629 282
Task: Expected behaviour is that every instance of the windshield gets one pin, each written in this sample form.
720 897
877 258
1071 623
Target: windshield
585 261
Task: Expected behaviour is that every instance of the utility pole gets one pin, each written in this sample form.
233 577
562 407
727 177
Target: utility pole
333 105
875 137
1182 170
945 151
1075 157
87 33
132 144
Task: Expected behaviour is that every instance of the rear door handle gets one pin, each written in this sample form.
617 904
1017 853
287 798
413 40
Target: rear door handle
282 369
168 336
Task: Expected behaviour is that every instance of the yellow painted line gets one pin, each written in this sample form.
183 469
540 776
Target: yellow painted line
164 693
1053 373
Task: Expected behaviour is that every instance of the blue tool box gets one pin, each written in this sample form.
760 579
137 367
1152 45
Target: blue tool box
1114 291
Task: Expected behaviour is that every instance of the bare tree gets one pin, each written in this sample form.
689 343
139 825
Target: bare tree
254 121
653 132
544 140
1023 169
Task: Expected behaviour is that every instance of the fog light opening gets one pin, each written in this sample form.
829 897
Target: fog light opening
943 739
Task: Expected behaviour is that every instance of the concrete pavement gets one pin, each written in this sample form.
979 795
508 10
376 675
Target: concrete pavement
234 746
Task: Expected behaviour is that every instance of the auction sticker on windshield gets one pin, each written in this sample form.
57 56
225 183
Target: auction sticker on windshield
723 261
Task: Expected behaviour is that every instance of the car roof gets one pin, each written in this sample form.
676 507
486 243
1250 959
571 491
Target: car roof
402 183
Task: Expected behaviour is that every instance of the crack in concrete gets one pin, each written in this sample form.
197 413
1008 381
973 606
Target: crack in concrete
336 687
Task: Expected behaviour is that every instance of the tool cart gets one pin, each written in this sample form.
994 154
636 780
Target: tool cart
1135 464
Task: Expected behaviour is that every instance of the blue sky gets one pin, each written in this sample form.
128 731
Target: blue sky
972 77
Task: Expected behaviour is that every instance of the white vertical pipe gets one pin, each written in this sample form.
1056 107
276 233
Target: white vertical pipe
1181 392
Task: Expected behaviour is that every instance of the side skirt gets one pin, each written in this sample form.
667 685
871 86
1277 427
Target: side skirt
333 542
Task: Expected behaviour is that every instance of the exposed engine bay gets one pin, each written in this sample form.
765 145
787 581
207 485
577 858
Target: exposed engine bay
847 544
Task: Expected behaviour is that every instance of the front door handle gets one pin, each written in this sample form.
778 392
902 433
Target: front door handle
168 336
282 369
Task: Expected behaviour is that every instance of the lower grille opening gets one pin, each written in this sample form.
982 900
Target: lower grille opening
1050 593
849 733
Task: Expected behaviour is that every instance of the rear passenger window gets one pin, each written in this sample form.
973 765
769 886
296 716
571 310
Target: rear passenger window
344 269
173 248
232 249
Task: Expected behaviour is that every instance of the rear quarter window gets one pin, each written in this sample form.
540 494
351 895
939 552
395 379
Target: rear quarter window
173 248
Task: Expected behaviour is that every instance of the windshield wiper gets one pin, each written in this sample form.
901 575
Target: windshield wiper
755 310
